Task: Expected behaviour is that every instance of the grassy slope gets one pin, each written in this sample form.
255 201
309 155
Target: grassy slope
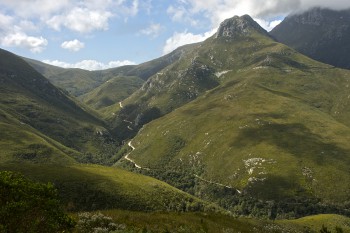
75 81
111 92
21 142
93 187
30 99
79 82
209 222
277 126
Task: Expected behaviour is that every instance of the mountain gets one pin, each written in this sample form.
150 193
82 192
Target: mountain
321 34
248 123
40 122
112 91
79 82
201 68
44 133
75 81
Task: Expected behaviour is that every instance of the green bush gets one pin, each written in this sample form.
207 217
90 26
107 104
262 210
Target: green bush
27 206
97 223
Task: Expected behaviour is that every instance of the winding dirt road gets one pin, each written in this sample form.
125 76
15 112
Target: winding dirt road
131 160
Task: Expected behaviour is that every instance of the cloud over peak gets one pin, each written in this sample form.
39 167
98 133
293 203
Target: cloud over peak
73 45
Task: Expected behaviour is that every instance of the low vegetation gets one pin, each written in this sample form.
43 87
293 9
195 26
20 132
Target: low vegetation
27 206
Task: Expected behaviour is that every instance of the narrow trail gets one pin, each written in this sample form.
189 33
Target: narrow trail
212 182
129 127
131 160
202 179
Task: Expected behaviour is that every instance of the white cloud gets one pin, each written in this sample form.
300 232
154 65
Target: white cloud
268 25
81 20
265 11
134 9
73 45
20 39
13 35
181 14
34 8
183 38
89 64
83 16
6 22
152 30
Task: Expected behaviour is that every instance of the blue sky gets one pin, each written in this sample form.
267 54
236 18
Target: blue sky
99 34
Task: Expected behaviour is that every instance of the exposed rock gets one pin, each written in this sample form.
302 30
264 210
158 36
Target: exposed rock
238 26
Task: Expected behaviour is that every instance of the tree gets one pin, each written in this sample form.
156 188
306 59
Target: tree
27 206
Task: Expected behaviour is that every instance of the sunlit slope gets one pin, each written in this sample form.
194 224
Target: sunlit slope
276 127
75 81
30 99
21 142
111 92
239 45
211 222
93 187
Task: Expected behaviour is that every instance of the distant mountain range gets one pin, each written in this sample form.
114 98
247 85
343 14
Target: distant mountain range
239 123
321 34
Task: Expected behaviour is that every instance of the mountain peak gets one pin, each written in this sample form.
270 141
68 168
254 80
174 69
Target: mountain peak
238 26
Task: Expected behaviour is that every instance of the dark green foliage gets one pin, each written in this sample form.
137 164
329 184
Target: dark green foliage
96 223
147 116
338 229
28 207
324 229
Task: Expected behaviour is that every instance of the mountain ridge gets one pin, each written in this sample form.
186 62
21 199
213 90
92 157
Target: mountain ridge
319 33
259 129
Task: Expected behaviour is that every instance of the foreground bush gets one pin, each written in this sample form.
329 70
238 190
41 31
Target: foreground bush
97 223
27 206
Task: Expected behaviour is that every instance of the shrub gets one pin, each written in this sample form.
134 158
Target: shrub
27 206
97 223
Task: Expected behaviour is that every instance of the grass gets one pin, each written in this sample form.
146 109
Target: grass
94 187
315 222
211 222
30 100
75 81
111 92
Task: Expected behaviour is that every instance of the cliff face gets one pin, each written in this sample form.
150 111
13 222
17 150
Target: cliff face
321 34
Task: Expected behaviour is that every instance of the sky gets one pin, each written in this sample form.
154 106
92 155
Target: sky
101 34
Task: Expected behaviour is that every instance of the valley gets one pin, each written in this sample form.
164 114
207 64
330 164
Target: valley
238 133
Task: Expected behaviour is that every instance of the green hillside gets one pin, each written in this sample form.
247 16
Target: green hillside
79 82
93 187
32 107
133 221
21 142
201 68
75 81
111 92
271 136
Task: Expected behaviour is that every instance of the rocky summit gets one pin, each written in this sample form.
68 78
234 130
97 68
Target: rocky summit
238 26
